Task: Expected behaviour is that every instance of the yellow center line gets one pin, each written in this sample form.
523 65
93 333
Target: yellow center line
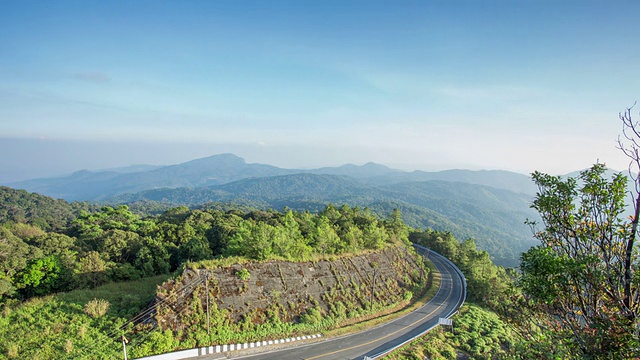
388 335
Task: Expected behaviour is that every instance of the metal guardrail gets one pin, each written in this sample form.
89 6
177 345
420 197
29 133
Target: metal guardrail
426 252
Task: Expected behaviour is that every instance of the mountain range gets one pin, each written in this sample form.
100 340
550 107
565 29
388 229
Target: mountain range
488 206
85 185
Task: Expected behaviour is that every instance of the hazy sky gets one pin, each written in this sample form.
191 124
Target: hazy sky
514 85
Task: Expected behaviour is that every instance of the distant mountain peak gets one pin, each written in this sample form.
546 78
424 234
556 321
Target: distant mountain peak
226 159
367 170
81 172
371 164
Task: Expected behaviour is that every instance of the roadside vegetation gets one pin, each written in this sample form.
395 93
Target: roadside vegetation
477 334
577 294
76 285
479 331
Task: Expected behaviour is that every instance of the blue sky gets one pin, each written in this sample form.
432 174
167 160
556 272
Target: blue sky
513 85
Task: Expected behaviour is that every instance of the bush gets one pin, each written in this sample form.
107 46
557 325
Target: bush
312 317
243 274
96 308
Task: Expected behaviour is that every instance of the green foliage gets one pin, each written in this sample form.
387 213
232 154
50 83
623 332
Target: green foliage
492 216
41 276
487 283
63 331
116 244
19 206
157 342
91 270
61 327
297 236
581 280
252 240
14 253
313 316
152 258
194 250
477 334
243 274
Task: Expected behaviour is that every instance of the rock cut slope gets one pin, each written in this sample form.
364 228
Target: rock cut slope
290 289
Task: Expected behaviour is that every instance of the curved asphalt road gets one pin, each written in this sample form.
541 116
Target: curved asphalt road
377 341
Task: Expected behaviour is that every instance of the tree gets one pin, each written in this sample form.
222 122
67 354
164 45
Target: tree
91 270
325 240
88 227
583 277
194 250
152 258
40 277
252 240
118 245
222 228
14 253
374 236
288 241
55 244
397 229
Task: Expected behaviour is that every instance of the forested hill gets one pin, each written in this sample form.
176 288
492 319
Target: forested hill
20 206
493 217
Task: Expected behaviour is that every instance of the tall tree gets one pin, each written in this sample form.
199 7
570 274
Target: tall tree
584 275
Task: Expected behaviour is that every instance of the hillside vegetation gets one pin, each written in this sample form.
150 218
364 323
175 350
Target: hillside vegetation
114 245
20 206
92 279
495 218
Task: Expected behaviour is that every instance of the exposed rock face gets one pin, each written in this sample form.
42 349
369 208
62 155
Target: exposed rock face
289 289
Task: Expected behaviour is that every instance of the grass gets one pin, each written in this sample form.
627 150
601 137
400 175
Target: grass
126 298
479 334
56 326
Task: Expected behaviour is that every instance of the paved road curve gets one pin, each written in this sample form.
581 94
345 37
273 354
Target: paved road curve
378 340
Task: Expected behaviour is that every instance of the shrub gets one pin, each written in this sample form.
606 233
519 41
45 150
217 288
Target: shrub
96 308
243 274
312 317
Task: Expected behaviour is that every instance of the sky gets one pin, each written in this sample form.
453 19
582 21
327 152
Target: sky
429 85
